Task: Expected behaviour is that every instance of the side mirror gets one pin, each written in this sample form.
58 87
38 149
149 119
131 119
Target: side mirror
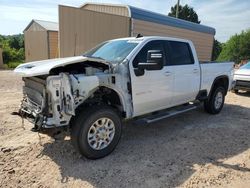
154 61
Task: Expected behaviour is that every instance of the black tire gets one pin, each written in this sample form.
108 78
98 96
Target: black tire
81 125
210 104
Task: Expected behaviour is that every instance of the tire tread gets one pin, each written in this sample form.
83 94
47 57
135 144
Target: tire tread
209 103
81 120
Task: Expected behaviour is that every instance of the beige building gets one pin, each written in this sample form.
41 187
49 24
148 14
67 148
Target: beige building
41 40
1 58
84 27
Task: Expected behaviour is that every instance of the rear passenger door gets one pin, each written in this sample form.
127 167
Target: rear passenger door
186 72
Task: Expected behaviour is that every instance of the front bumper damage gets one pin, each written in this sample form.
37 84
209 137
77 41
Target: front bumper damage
48 104
32 112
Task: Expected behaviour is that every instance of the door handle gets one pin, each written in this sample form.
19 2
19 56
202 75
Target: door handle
167 73
195 70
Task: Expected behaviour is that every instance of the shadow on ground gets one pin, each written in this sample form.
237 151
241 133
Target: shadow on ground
243 93
161 154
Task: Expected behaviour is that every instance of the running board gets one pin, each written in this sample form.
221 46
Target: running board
169 113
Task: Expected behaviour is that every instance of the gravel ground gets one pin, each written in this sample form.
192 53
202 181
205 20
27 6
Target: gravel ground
194 149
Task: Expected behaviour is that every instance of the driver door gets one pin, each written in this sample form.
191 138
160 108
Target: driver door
153 90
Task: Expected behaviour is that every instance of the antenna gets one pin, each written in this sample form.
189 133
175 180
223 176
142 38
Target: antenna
177 9
139 35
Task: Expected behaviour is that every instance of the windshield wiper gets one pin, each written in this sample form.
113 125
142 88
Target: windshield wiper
94 57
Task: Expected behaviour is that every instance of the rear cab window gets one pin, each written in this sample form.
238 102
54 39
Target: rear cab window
180 53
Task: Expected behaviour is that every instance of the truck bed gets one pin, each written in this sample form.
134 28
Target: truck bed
211 70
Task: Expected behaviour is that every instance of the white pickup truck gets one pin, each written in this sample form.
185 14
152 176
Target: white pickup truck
144 77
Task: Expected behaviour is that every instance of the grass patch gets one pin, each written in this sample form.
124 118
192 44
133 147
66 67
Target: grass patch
14 64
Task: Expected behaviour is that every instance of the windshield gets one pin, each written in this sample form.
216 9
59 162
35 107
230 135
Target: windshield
113 51
246 66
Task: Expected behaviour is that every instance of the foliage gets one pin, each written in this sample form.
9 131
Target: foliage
216 49
13 48
14 64
185 13
237 48
16 41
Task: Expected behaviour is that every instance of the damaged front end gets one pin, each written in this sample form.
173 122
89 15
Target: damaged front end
54 88
48 101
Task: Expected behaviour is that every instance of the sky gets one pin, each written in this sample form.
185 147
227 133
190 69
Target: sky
228 17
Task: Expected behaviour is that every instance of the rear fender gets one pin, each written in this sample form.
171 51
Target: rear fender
222 80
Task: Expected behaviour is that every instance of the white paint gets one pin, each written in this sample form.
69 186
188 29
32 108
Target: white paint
37 68
242 74
153 91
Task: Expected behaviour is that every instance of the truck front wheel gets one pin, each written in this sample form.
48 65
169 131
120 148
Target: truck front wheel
215 103
96 132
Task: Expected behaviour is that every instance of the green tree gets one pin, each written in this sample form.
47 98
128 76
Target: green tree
216 49
185 13
237 48
13 48
15 41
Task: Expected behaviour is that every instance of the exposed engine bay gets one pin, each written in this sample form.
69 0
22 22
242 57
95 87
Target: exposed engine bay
51 100
88 67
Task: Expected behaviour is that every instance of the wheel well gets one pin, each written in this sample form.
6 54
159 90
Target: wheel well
104 96
221 81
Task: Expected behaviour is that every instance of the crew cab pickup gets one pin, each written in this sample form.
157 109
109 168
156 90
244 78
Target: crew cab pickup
147 78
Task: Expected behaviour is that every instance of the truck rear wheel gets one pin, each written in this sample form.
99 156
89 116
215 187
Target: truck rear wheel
215 103
96 132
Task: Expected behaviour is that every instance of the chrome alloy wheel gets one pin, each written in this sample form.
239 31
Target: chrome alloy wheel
101 133
218 100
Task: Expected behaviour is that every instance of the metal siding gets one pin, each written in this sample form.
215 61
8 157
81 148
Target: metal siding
81 30
117 10
145 15
35 27
203 42
66 31
47 25
36 46
53 44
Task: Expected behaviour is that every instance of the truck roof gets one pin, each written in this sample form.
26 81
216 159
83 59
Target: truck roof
147 38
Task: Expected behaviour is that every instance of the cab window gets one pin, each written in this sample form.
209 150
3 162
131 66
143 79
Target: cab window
181 53
152 45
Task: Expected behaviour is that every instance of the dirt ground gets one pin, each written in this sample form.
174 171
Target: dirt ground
194 149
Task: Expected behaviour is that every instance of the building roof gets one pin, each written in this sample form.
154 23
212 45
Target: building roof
47 25
150 16
145 15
